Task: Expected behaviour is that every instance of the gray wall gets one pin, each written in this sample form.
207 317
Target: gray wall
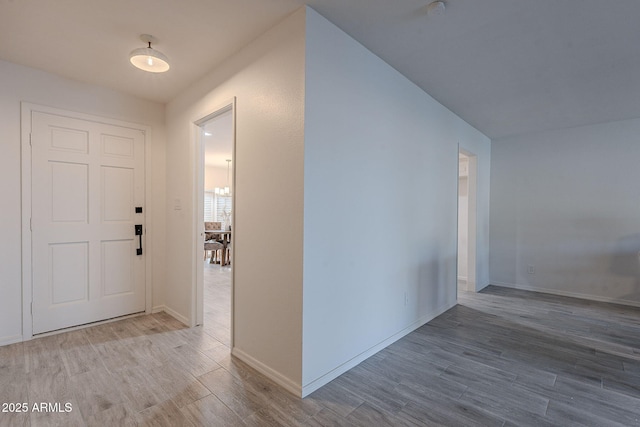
567 202
380 200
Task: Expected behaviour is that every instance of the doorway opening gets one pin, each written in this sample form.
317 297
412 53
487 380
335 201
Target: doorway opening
215 219
467 190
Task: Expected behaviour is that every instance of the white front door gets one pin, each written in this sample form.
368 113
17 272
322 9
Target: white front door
87 180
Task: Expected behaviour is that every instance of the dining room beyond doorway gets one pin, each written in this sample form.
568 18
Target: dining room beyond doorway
216 194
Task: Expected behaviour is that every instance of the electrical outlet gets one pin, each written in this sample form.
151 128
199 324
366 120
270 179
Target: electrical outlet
531 269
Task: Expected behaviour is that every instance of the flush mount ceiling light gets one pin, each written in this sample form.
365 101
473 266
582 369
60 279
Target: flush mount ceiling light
149 59
436 8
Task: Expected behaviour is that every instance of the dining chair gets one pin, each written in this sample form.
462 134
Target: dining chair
211 244
213 247
211 225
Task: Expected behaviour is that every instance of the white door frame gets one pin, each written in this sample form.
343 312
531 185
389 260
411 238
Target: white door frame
197 305
472 219
25 136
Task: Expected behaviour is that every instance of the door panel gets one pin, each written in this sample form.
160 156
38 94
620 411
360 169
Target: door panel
69 267
69 192
87 179
117 194
75 140
118 146
117 267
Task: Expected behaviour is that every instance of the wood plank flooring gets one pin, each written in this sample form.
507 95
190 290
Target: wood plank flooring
502 357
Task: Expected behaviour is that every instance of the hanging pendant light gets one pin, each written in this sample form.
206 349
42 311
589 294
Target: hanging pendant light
226 191
149 59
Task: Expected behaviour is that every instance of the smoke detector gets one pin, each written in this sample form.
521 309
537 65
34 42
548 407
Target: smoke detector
436 8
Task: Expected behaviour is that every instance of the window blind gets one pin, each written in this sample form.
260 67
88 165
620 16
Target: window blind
217 208
209 203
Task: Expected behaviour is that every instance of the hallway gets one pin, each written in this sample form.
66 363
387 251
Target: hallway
501 357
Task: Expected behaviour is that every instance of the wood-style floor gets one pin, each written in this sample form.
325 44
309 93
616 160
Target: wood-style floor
501 357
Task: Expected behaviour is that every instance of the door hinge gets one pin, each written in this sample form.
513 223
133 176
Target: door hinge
32 308
30 140
30 224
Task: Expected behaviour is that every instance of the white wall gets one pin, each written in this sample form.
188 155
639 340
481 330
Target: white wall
216 177
463 225
377 150
18 83
567 202
267 79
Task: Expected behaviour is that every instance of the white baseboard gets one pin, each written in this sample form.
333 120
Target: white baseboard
335 373
462 279
12 339
481 287
267 371
179 317
562 293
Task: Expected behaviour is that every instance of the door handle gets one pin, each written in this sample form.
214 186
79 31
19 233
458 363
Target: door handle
138 230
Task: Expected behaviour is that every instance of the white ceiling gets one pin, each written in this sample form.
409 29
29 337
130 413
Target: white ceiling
505 66
90 40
